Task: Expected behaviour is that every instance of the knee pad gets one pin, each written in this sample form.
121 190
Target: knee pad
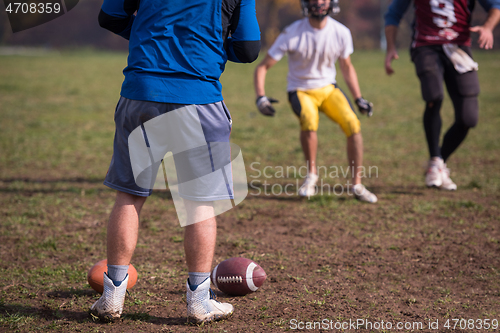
305 109
464 94
309 124
469 115
351 126
430 95
431 86
434 104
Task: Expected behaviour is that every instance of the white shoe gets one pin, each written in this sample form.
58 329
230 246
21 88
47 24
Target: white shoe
433 175
110 306
447 183
308 189
202 305
362 194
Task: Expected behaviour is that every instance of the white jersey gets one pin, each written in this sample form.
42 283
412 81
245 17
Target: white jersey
312 53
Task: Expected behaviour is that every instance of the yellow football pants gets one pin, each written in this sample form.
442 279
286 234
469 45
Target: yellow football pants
331 101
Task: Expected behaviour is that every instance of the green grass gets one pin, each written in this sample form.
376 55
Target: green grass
56 135
54 121
393 138
63 124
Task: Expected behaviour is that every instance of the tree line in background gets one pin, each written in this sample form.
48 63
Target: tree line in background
79 27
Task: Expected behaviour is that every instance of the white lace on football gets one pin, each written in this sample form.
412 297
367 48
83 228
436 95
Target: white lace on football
110 305
229 279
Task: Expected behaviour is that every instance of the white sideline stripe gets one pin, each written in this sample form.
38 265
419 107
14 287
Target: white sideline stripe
214 276
250 284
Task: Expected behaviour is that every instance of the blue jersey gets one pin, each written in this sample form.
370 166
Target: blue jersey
178 49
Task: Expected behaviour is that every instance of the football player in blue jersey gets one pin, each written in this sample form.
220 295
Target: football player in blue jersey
177 52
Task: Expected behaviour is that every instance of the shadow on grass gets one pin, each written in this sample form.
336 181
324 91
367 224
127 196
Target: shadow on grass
175 292
70 293
163 194
145 317
49 181
26 186
325 194
137 316
256 190
408 190
19 311
280 198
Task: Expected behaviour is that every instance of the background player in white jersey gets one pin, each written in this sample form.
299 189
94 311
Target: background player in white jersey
314 44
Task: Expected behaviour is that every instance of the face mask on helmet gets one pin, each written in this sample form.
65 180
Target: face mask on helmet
319 11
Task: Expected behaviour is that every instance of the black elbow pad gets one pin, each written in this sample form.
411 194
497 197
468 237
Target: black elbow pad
246 51
112 23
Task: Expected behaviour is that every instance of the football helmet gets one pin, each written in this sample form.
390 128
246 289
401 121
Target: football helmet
319 10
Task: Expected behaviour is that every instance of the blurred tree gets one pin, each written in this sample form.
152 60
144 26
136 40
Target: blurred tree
361 16
274 15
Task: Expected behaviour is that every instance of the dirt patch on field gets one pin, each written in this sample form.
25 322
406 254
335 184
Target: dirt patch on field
419 257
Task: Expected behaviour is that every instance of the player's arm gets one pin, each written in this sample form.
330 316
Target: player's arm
244 43
118 16
350 76
391 52
264 104
392 18
351 79
485 31
260 75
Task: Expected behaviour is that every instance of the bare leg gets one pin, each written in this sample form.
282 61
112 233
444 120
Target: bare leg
123 228
200 237
355 156
122 234
199 245
309 141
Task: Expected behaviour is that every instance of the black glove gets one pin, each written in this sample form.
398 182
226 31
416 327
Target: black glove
264 105
364 106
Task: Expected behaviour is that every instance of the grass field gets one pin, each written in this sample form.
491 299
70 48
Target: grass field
417 256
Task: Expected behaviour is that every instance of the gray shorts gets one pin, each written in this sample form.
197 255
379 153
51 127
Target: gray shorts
196 138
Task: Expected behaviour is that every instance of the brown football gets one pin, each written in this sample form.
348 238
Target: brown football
95 275
238 276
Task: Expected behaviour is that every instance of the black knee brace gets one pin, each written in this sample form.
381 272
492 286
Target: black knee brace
466 111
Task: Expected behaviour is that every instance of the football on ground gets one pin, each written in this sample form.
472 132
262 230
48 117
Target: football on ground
95 276
238 276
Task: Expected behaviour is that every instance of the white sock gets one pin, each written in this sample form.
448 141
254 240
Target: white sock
117 273
197 278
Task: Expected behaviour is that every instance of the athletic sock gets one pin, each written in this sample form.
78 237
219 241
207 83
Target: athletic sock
117 273
197 278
